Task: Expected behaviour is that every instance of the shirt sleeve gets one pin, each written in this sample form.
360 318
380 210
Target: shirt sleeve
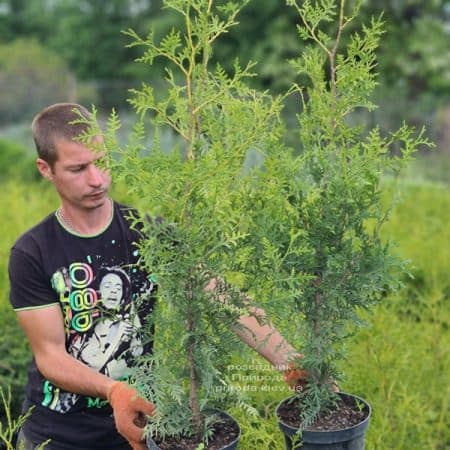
30 288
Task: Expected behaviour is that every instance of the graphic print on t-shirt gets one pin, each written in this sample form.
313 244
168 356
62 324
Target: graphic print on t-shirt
112 339
100 321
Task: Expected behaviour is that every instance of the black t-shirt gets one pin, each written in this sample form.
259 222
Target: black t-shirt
98 285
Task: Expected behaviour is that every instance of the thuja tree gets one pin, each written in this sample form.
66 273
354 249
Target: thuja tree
323 258
197 196
10 426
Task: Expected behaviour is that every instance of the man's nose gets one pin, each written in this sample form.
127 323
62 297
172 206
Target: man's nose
95 175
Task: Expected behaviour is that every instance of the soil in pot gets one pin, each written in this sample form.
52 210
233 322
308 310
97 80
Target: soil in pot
225 436
346 415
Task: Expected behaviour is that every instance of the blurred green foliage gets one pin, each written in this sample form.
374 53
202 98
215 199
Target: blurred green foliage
30 76
16 162
414 60
86 33
415 50
22 204
95 66
406 349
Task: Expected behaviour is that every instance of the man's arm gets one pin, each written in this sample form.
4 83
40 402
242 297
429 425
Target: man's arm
257 332
45 332
269 343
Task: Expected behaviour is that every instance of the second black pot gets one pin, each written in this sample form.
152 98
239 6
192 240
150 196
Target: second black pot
351 438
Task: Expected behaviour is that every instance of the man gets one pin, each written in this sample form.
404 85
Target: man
79 401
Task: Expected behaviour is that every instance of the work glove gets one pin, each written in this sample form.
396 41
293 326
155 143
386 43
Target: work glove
295 378
129 409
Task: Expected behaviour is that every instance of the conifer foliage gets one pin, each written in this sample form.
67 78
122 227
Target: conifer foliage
300 233
322 257
199 189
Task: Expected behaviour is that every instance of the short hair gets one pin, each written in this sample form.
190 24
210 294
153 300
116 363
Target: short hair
56 122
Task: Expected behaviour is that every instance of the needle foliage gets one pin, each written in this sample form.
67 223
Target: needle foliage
300 232
197 194
322 256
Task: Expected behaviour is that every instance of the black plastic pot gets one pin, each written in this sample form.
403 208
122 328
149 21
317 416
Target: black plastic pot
346 439
151 444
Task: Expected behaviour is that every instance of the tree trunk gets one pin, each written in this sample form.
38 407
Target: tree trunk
193 381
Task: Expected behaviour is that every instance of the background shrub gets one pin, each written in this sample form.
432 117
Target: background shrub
15 161
30 78
22 205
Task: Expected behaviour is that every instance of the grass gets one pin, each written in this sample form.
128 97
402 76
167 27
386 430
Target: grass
400 363
22 206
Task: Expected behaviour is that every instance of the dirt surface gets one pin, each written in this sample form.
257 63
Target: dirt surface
346 415
224 433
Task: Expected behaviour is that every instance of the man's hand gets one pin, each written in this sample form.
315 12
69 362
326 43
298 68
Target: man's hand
128 408
295 378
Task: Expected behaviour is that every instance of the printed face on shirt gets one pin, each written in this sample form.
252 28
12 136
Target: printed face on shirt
111 290
76 175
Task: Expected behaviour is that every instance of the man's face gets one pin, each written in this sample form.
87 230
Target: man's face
76 175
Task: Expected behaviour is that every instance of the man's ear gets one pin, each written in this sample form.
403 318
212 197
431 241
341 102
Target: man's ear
44 169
